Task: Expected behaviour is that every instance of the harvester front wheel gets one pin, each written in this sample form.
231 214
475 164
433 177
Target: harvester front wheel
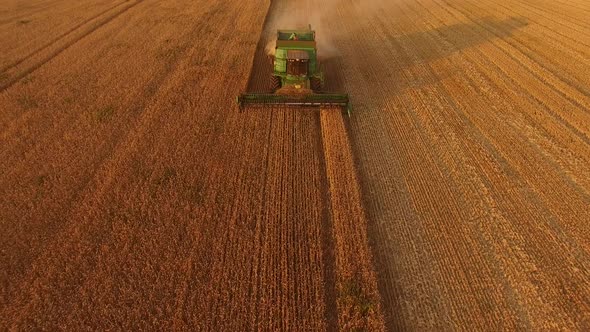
316 84
275 83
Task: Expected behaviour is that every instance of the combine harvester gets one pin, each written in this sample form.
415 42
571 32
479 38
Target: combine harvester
296 79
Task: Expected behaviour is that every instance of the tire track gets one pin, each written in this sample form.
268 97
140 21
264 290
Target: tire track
36 9
570 20
521 180
533 100
427 122
419 98
35 64
549 29
57 39
491 62
572 4
365 76
39 60
517 239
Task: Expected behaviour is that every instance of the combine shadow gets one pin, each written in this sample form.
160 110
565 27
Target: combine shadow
457 37
334 74
259 80
416 49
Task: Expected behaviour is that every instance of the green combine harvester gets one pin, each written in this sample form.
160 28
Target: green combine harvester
296 79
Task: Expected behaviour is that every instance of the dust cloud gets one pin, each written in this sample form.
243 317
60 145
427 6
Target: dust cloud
320 15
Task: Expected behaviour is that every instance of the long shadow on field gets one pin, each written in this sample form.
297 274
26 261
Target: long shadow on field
401 52
334 77
453 38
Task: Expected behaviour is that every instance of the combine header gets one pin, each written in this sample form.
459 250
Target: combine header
296 79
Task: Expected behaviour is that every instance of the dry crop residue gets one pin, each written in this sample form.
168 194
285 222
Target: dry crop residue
473 145
134 195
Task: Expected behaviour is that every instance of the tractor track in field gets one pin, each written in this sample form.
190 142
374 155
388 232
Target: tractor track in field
550 112
37 58
38 9
557 115
552 29
489 53
57 39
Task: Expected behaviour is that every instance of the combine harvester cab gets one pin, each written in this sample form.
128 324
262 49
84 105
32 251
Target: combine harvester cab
296 78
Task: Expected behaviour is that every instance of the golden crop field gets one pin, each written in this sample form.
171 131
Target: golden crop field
134 195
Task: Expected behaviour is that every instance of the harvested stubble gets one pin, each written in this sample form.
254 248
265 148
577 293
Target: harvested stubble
472 138
134 196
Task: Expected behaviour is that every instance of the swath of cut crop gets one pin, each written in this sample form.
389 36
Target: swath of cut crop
357 298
